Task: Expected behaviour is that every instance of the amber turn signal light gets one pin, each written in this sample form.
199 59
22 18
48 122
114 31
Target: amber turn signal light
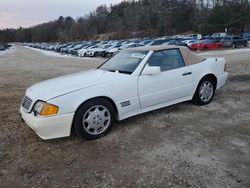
48 109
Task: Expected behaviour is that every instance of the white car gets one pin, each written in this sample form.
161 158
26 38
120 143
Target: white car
100 51
190 42
94 52
134 81
82 52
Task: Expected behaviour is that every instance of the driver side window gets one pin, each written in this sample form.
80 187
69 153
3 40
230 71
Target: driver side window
167 59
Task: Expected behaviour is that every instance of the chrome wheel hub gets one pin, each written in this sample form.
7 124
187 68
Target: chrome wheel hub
206 91
96 120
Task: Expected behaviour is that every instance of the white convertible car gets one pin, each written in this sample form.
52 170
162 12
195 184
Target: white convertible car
134 81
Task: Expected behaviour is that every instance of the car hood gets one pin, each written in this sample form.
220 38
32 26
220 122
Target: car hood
59 86
95 49
82 50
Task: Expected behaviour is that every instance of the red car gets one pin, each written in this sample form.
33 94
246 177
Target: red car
206 45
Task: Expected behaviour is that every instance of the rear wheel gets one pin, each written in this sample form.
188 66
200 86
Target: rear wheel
205 91
94 118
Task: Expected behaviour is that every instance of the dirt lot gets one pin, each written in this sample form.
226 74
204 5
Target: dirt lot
178 146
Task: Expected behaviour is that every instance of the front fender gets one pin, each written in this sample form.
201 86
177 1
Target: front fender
69 103
119 91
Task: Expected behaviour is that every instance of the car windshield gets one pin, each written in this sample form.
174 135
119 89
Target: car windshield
159 42
247 34
226 38
124 62
107 46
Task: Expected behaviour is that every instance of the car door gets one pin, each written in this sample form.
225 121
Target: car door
238 41
173 83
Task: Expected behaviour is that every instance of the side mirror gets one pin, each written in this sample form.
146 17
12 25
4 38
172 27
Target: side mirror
151 70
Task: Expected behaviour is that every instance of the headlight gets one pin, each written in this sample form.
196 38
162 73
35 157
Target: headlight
44 109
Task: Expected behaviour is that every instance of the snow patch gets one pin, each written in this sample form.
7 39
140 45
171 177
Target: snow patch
12 49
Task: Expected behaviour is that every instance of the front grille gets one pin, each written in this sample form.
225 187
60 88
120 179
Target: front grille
26 103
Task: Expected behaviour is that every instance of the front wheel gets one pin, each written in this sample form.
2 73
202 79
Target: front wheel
94 119
204 92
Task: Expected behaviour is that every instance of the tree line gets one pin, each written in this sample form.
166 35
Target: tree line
141 18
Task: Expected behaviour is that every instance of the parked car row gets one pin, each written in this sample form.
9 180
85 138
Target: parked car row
104 48
111 47
4 46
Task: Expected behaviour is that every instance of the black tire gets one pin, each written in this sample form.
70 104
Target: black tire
78 123
246 44
104 54
95 54
197 99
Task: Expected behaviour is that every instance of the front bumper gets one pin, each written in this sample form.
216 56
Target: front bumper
49 127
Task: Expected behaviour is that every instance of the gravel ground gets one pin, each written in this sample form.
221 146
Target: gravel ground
178 146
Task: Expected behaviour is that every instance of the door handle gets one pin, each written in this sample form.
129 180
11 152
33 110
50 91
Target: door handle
186 73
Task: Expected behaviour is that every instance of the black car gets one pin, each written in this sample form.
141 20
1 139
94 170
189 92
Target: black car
160 42
246 36
234 41
177 43
2 48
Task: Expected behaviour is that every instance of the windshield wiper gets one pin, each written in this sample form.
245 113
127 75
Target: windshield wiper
110 70
124 72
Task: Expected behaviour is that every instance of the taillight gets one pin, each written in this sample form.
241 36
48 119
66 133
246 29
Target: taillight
225 67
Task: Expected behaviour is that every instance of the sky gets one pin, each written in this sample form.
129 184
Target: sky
26 13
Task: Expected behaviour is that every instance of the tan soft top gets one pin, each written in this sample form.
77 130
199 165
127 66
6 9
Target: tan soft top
188 56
